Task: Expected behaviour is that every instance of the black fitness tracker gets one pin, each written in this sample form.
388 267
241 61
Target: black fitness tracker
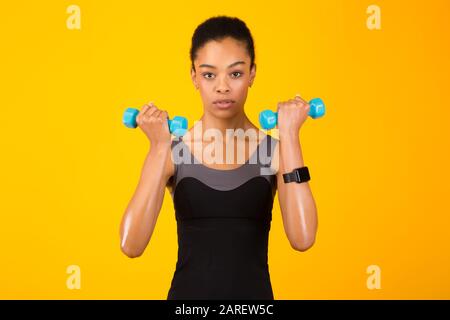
298 175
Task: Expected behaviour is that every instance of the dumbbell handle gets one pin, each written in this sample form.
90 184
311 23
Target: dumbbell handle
269 119
177 125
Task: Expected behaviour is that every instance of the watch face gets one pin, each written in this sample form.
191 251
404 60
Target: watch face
305 174
297 175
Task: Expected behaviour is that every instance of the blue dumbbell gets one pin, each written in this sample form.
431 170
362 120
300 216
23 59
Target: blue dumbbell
269 119
177 126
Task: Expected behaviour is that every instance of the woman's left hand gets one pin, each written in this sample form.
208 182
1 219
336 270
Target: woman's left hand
291 115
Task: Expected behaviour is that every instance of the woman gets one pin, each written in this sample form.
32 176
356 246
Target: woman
223 211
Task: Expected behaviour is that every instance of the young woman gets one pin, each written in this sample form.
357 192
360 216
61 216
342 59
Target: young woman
223 210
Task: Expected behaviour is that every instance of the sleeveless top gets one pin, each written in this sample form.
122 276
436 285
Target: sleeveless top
223 222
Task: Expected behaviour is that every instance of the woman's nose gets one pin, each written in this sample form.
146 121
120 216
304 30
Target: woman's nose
222 86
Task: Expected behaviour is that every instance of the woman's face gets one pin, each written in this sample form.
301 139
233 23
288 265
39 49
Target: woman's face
222 72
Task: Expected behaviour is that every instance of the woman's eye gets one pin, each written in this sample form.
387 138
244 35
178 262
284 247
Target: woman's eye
209 75
206 75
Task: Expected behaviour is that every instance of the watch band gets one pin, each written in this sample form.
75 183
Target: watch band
298 175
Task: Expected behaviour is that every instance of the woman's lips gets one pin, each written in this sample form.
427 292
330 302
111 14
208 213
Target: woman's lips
224 104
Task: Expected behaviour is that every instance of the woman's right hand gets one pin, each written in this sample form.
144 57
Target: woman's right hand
154 123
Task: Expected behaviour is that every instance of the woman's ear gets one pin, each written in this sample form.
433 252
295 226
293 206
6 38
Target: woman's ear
193 78
252 75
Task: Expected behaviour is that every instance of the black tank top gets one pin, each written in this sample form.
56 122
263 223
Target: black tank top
223 222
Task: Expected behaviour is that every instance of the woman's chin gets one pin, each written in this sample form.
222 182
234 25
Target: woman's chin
224 113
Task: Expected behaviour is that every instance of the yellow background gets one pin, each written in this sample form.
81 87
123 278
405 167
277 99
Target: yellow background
379 159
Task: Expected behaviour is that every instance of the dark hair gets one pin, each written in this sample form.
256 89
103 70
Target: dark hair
218 28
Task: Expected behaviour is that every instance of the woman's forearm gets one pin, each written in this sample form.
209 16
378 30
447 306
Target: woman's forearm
140 216
296 199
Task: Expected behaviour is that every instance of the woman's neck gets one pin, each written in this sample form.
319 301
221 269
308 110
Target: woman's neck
239 121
